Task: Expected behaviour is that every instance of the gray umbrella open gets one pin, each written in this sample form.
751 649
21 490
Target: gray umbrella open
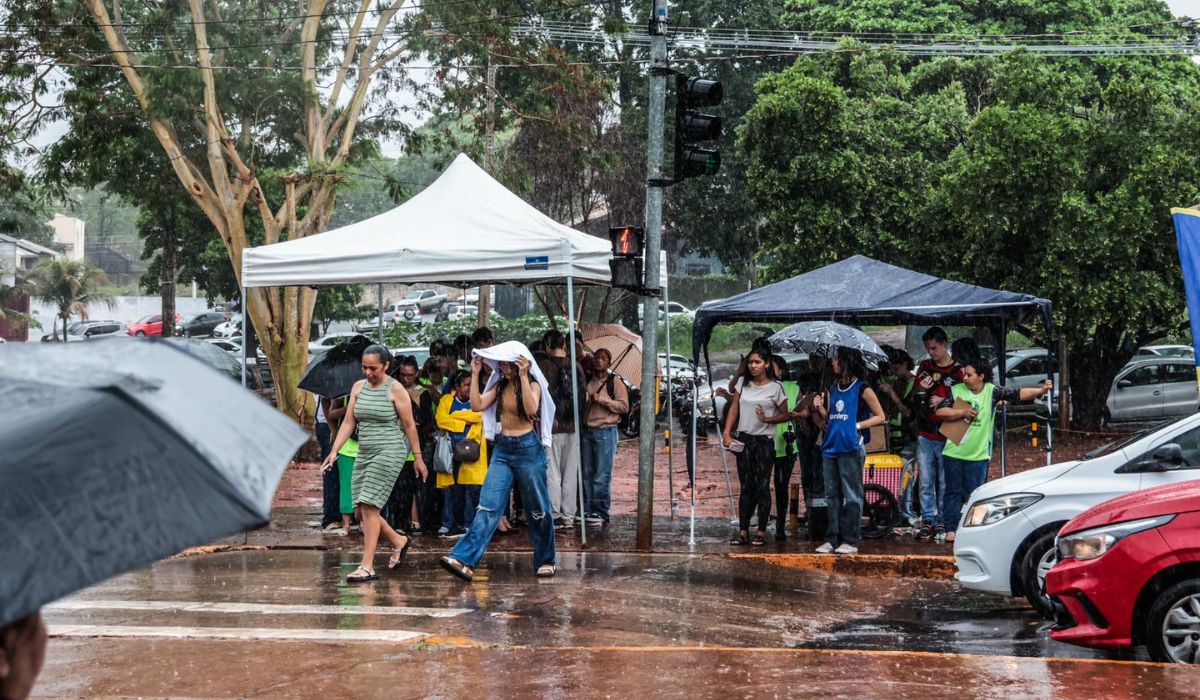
823 337
118 454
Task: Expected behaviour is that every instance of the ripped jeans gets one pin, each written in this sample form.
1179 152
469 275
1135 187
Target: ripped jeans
521 459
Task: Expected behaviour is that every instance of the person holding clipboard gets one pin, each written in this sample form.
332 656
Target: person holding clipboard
966 458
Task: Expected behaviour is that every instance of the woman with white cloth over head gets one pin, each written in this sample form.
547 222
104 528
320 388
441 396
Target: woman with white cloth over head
525 413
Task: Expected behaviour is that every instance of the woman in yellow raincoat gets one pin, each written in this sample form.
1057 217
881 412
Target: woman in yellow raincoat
461 489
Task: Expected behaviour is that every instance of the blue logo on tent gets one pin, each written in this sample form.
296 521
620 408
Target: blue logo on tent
539 262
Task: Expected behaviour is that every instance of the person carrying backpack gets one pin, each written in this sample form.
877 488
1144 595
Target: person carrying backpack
563 474
608 400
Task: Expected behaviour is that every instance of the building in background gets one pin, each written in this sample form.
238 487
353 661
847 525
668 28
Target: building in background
69 235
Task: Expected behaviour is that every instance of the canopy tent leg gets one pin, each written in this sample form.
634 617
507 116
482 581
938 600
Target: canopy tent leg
575 441
1052 354
670 406
245 335
379 328
1001 364
692 444
720 447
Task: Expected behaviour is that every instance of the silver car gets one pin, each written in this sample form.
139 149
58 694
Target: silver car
1026 369
1153 389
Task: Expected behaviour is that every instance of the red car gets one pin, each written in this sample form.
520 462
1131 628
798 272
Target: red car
150 325
1129 574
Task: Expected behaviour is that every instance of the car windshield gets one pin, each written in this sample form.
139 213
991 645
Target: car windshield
1176 352
415 294
1115 445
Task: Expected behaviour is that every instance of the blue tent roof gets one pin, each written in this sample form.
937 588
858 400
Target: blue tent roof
865 291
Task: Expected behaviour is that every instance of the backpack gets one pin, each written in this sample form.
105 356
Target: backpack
564 405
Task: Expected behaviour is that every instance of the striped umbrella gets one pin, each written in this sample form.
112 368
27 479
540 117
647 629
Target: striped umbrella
624 345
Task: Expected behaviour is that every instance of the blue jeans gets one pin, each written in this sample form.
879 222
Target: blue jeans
521 459
962 478
844 496
598 447
330 512
933 479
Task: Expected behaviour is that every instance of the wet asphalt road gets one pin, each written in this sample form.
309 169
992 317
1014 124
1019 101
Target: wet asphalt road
285 624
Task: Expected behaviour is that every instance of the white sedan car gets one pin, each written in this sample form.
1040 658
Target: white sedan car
1005 540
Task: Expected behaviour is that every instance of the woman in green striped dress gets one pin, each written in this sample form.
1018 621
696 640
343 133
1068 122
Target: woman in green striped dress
379 406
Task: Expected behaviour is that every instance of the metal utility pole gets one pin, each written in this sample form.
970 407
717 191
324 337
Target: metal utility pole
655 182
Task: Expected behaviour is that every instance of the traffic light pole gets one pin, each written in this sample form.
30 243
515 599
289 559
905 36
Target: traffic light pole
654 206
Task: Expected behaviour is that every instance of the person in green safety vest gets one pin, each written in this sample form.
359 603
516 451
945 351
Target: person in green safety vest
785 447
966 463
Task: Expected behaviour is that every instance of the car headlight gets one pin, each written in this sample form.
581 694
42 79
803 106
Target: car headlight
1089 544
996 509
706 411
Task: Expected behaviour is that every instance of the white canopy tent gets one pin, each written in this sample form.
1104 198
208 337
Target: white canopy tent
465 228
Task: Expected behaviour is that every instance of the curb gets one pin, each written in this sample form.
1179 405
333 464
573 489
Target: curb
880 565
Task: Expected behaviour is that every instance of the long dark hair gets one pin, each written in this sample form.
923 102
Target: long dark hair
517 392
766 358
851 364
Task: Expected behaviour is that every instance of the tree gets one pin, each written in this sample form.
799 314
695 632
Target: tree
338 304
10 293
70 286
1050 176
257 109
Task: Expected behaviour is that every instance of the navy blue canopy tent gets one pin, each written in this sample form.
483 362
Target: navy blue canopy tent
861 291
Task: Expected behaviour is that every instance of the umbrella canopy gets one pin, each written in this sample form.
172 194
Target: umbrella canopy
209 354
624 344
824 337
332 373
118 454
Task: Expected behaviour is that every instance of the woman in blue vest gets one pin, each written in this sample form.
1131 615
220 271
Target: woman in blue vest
842 453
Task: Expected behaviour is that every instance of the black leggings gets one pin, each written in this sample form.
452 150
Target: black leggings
783 477
754 465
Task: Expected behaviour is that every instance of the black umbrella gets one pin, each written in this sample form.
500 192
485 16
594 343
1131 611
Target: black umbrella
118 454
332 373
823 337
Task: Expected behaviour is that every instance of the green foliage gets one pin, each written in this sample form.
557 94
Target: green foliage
526 329
24 213
337 304
1048 176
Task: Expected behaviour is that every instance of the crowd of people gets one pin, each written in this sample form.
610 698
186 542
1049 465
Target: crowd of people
477 442
823 419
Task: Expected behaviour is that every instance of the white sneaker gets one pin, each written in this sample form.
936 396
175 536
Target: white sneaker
846 549
825 548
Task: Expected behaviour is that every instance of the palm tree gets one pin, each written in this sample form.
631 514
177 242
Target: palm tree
7 293
71 286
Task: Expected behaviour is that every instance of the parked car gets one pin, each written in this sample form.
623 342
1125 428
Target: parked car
201 324
712 407
1129 571
423 300
150 324
1152 389
1005 540
1165 351
1026 369
682 368
672 309
233 346
329 340
89 330
419 354
229 328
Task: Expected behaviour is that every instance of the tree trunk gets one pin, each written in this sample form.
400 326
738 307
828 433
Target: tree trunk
1064 391
166 288
1094 363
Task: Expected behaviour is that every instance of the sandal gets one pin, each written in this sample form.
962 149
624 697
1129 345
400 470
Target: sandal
739 541
546 570
398 555
758 541
457 568
361 575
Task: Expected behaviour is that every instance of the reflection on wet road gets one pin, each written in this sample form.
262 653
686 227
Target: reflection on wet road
286 623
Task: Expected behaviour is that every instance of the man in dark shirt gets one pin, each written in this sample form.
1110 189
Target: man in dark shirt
935 377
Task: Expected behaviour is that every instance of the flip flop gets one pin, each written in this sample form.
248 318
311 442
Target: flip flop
739 541
758 541
546 570
361 575
457 568
398 556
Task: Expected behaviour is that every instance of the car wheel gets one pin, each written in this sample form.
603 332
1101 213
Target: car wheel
1037 562
1173 634
141 334
880 511
410 314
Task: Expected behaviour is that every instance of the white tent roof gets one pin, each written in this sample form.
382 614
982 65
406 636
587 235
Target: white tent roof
465 228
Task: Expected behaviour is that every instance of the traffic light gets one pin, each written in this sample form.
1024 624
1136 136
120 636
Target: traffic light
693 128
626 265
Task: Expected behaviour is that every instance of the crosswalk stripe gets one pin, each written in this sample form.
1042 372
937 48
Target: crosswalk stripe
238 633
76 604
